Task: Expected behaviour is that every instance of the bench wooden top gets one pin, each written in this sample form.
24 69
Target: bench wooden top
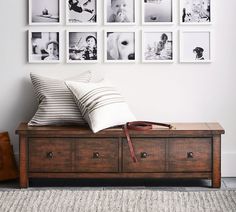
187 129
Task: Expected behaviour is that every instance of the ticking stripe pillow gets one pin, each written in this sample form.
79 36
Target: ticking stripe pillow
56 103
100 104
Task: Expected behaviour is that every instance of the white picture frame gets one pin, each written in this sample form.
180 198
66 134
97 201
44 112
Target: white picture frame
195 46
111 14
45 12
39 41
86 15
158 12
195 12
82 56
158 46
112 46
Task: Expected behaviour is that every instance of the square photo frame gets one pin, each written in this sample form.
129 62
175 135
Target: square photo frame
81 12
157 46
119 12
157 12
45 12
195 46
195 12
44 46
120 46
82 47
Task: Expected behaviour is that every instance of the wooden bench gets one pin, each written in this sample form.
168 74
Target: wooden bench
192 150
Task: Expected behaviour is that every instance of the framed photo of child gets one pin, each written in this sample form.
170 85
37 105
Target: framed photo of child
44 46
82 47
44 12
119 12
81 12
157 46
120 46
195 46
157 12
195 12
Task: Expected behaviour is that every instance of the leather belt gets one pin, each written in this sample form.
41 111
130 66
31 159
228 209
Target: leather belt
139 126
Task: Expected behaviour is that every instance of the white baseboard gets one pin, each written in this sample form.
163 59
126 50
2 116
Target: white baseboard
228 160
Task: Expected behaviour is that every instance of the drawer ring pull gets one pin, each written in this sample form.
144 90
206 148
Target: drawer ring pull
50 155
144 155
96 155
189 154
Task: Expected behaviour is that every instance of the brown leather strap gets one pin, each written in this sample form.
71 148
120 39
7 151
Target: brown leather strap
139 126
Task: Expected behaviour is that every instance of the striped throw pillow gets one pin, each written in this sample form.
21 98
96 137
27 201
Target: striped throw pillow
56 103
101 105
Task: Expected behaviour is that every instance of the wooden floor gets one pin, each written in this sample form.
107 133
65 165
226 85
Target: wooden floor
166 185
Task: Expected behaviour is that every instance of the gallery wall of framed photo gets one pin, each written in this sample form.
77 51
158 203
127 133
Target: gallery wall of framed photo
120 31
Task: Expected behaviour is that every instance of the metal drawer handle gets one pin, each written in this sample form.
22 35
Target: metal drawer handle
189 154
96 155
50 155
144 155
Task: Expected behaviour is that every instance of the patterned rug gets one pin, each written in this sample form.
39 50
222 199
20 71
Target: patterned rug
114 200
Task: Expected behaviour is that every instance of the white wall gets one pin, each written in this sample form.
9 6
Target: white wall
160 92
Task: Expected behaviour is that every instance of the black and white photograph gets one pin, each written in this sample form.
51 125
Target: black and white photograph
44 47
82 47
119 12
157 12
157 46
44 12
81 12
195 46
120 46
195 11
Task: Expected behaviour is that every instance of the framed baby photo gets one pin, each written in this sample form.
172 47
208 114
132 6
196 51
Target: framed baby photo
81 12
119 12
195 46
157 12
45 12
82 47
195 12
120 46
44 46
157 46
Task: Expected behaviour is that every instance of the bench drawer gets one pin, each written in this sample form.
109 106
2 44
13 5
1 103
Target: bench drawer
150 153
190 155
50 155
96 155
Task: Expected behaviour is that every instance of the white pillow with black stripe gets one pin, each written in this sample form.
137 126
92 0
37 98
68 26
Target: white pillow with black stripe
56 103
101 105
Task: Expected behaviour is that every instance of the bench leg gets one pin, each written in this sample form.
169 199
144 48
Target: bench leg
24 182
216 160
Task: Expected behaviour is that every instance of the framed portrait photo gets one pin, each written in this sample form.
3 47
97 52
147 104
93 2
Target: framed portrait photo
195 12
44 12
44 46
157 46
119 12
81 12
82 47
120 46
195 46
157 12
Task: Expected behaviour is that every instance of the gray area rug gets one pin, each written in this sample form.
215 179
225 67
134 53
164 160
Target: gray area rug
116 200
